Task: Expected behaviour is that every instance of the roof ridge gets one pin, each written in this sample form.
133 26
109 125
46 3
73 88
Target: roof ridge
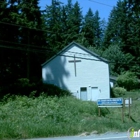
80 46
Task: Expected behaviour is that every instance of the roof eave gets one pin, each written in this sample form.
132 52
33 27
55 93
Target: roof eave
74 43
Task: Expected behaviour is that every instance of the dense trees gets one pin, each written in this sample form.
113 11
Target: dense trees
29 36
63 24
123 30
8 35
88 28
18 23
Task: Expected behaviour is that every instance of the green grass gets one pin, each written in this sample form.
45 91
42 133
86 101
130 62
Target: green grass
25 117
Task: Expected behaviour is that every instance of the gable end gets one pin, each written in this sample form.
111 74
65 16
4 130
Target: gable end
80 46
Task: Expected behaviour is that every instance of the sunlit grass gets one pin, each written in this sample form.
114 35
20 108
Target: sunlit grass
26 117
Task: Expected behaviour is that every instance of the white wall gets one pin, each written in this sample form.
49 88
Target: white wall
90 73
111 84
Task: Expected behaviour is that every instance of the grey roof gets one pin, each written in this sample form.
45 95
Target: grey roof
113 78
80 46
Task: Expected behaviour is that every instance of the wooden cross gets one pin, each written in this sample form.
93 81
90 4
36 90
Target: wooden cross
74 61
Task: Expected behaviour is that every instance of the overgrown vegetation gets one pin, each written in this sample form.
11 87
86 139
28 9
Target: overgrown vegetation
119 91
29 36
128 80
24 117
24 87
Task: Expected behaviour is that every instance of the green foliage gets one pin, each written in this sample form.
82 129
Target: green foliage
116 28
88 28
23 82
57 26
123 29
97 50
98 31
51 90
91 29
30 31
119 91
26 117
128 80
73 21
63 22
21 16
23 86
23 117
119 61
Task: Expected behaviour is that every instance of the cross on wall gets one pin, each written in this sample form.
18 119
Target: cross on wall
74 61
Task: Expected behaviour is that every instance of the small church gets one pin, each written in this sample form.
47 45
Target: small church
80 71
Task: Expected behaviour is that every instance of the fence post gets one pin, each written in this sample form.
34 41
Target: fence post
129 109
99 111
123 110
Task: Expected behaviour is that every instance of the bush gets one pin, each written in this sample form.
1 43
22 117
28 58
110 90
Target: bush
21 86
119 91
128 80
26 118
51 90
24 86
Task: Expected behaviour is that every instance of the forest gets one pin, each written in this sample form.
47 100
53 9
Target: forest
29 36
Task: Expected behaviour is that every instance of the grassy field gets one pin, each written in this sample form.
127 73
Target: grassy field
25 117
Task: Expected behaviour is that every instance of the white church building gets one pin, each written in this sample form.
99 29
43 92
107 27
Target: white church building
84 73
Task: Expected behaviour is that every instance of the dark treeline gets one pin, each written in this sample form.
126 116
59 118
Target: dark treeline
29 36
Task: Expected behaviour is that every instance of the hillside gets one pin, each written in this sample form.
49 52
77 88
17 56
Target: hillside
25 117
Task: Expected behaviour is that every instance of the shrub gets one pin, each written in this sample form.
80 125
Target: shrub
24 86
51 90
21 86
128 80
119 91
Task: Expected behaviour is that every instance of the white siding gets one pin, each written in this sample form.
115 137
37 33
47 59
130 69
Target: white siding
111 84
90 73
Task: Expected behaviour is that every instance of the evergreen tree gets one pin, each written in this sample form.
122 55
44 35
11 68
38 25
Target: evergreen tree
88 28
54 25
98 31
63 24
31 18
123 29
92 29
118 60
9 34
18 17
73 21
133 10
103 25
116 27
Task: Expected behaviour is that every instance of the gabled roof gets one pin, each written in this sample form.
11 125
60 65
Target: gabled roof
80 46
114 78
